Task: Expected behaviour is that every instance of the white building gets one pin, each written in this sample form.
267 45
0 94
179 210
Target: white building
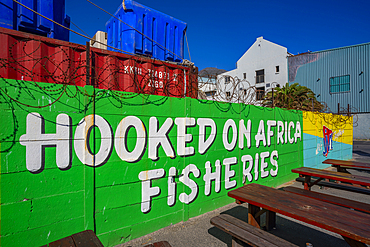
99 40
261 68
208 87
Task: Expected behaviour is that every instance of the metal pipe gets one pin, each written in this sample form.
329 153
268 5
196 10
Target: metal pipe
348 110
184 84
338 108
87 63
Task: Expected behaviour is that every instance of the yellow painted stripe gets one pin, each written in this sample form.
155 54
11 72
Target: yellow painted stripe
341 126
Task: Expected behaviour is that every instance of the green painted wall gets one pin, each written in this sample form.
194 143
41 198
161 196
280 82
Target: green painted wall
43 199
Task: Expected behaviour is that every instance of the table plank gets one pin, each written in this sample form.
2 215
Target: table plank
348 223
86 238
347 163
64 242
278 198
339 186
339 176
330 198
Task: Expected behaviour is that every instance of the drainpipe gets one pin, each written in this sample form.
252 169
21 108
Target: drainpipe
184 84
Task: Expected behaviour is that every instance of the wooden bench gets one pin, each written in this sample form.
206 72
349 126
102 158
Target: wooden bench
337 186
351 180
352 225
360 206
159 244
89 239
81 239
243 233
342 165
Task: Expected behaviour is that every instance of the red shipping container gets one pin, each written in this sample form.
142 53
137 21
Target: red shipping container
40 59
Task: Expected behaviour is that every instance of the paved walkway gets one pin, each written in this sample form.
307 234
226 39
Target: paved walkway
199 232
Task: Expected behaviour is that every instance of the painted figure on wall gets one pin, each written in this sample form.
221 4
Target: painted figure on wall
328 140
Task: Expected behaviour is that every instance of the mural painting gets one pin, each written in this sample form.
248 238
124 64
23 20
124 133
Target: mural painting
328 140
127 164
326 136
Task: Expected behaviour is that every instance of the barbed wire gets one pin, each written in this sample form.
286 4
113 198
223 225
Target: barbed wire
38 61
226 88
32 61
234 90
111 72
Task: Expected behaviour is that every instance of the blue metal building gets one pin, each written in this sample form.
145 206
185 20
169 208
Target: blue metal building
340 75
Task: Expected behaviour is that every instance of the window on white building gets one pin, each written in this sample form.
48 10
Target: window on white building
210 93
228 94
260 93
227 79
277 69
260 76
244 75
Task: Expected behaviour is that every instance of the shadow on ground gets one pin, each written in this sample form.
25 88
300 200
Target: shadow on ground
286 228
199 232
366 154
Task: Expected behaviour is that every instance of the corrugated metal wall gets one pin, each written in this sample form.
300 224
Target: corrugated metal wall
35 58
315 69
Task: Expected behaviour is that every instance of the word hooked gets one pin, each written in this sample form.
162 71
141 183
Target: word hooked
36 140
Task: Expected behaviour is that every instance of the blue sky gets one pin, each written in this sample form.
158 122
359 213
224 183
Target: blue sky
220 32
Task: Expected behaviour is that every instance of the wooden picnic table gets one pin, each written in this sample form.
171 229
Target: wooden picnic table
353 226
307 173
342 165
80 239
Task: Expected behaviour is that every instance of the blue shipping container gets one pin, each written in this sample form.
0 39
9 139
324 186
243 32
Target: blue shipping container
136 20
6 16
17 17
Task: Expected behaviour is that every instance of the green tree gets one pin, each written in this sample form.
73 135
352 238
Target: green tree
292 97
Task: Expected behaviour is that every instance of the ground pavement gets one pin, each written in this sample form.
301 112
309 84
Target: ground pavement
198 231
